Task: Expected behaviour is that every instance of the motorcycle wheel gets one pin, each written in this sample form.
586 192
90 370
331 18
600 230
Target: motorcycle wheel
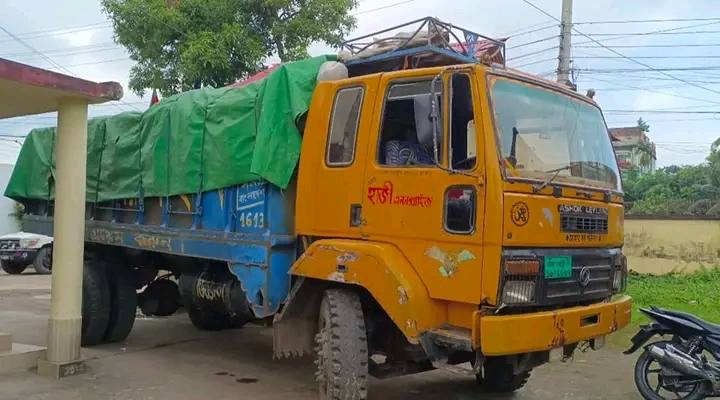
646 367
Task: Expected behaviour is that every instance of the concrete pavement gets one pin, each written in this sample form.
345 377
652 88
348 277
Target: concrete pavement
169 359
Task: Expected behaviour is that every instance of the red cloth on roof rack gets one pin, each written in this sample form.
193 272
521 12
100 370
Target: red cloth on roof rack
256 77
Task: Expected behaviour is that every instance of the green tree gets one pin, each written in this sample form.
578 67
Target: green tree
645 150
216 42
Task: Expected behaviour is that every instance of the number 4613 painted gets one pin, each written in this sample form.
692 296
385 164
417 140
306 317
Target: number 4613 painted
252 219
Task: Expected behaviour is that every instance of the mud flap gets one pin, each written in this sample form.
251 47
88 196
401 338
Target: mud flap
295 326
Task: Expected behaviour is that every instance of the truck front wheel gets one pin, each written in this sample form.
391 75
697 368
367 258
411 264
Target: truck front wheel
499 376
13 268
342 349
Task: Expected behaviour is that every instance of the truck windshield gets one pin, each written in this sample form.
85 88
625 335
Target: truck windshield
545 134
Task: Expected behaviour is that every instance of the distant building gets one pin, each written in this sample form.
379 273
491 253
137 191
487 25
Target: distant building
626 143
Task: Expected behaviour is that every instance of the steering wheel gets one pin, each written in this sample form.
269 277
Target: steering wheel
468 163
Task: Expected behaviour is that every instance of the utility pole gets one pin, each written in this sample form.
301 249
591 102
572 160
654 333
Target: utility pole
563 71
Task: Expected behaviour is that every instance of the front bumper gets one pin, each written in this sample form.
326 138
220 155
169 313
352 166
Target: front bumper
17 255
524 333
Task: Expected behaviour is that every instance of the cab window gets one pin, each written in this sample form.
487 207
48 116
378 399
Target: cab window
399 145
463 148
342 135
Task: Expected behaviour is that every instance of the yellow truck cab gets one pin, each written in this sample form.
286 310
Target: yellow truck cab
449 212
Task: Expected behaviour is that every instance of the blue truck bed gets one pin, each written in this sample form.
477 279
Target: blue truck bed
250 226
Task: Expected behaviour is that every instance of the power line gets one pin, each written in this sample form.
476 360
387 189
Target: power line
534 42
657 91
535 62
628 88
649 57
651 33
534 53
383 7
652 121
643 21
622 55
55 32
679 28
515 31
46 58
660 112
642 46
532 31
661 70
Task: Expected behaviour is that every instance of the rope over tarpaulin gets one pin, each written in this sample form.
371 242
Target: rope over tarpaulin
200 140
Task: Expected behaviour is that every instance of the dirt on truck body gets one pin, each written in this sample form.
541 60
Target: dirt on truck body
443 209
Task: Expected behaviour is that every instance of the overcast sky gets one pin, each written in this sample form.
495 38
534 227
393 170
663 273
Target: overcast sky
677 103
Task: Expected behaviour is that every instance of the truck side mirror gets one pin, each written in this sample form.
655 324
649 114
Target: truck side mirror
428 119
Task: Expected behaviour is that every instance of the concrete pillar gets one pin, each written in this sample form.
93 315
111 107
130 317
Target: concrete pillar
64 327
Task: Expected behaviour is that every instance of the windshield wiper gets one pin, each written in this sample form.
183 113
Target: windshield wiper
545 184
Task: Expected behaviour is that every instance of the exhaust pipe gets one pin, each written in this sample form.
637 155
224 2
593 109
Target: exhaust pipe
677 361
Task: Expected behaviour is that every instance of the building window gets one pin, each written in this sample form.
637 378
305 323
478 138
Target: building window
344 126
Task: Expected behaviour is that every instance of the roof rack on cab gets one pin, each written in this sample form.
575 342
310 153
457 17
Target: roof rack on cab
426 42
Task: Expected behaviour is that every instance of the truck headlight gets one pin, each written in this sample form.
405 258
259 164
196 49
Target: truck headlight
28 243
518 292
520 281
620 274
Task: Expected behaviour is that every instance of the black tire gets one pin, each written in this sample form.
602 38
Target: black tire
498 376
648 393
123 304
202 318
161 298
342 349
13 268
43 261
95 304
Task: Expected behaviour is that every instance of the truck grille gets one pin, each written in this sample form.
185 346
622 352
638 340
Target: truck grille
584 223
9 244
591 275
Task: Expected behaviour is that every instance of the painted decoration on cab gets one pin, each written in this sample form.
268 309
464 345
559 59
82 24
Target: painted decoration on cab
384 195
449 262
520 214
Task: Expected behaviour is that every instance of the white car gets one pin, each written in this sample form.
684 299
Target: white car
19 250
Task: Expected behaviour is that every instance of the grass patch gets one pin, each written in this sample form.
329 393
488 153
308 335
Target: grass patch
696 292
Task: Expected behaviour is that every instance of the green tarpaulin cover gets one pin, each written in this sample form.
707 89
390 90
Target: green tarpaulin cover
199 140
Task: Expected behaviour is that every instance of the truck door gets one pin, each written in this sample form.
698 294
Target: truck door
337 189
435 217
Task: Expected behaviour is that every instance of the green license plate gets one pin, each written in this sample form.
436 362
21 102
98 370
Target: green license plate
558 267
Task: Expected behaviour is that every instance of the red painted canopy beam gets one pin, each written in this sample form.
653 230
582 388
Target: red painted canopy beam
28 90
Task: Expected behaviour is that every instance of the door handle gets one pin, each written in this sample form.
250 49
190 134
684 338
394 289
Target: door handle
355 215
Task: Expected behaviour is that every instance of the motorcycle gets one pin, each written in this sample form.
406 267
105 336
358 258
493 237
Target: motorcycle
684 370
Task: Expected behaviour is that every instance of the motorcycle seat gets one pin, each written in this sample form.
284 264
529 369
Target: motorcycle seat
708 326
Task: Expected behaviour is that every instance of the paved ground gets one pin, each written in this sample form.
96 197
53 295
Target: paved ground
169 359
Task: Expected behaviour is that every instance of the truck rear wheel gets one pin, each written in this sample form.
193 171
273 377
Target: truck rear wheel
342 349
203 318
13 268
499 376
95 304
123 304
43 261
